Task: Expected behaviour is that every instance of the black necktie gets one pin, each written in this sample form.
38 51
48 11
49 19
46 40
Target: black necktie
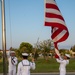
12 60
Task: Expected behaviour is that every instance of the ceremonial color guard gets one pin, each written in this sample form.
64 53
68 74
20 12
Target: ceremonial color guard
12 63
24 66
63 63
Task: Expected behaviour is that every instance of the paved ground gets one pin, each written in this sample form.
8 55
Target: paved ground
70 73
51 73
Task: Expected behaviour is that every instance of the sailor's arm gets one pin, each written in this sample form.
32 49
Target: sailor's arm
19 69
32 64
15 61
60 60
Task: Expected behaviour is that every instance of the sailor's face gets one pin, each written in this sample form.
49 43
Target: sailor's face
65 57
12 54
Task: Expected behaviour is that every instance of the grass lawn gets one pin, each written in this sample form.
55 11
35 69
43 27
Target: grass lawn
52 66
47 66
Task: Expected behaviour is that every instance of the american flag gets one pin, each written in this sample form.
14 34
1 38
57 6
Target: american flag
53 18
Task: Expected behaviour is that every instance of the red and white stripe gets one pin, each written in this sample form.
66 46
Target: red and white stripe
53 18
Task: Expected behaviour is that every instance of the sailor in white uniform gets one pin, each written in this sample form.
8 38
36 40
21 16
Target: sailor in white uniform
24 66
63 63
12 63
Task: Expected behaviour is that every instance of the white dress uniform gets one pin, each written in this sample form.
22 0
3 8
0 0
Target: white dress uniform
12 65
24 67
62 67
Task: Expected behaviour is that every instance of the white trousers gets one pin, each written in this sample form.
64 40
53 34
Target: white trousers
62 72
12 71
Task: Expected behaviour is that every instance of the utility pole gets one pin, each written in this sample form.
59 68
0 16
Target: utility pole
3 37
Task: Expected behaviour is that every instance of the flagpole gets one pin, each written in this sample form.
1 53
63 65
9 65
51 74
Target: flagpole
3 37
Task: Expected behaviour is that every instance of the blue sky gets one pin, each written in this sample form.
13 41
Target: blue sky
25 22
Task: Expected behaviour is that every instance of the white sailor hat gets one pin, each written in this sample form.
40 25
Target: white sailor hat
12 51
24 54
67 55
